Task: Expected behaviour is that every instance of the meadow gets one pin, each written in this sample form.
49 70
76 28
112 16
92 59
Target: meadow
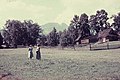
58 64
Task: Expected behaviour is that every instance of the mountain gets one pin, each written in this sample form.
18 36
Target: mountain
49 27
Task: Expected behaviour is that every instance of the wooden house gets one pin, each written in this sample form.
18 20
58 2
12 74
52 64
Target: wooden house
107 35
87 40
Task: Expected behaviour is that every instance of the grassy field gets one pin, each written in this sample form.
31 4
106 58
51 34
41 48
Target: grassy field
57 64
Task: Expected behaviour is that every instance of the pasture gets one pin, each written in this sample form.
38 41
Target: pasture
57 64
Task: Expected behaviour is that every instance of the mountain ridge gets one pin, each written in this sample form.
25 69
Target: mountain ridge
48 27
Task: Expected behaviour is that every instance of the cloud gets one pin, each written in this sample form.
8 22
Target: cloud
18 9
90 7
41 11
65 17
44 11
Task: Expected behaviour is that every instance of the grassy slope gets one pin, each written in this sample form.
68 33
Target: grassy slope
67 64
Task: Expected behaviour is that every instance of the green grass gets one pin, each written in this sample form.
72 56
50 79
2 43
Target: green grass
67 64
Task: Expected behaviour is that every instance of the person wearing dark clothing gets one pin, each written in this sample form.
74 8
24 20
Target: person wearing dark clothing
38 54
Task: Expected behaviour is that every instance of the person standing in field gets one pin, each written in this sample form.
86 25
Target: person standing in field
38 54
30 52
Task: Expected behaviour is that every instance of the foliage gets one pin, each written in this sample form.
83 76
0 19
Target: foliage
33 31
41 40
27 32
1 40
116 23
53 38
98 22
64 39
79 27
21 33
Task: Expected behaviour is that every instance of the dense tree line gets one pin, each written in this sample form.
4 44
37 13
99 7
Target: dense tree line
53 38
20 33
84 26
16 32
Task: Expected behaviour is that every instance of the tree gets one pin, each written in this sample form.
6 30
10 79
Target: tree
79 27
53 38
83 29
21 33
41 40
73 27
67 39
116 23
98 22
94 29
6 38
64 39
1 40
11 32
33 31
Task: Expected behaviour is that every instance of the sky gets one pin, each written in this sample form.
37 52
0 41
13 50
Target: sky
46 11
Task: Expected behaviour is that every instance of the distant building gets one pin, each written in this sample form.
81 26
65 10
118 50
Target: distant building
102 36
87 40
107 34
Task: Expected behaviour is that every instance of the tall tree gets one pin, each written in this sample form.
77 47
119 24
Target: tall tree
73 27
116 23
79 27
64 39
1 40
98 22
33 31
16 32
83 28
53 38
12 32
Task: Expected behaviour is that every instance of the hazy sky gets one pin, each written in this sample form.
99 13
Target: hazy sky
61 11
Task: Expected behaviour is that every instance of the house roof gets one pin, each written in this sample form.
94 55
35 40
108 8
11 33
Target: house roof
104 33
88 37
